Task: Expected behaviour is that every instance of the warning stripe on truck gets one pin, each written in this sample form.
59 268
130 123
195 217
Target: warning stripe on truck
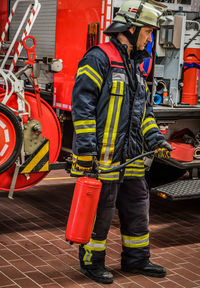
38 161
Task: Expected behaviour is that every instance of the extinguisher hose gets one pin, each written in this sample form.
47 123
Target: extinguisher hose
119 167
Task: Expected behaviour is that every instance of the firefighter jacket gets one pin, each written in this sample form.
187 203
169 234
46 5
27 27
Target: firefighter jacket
111 111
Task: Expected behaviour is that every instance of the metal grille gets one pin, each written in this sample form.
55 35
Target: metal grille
44 28
183 189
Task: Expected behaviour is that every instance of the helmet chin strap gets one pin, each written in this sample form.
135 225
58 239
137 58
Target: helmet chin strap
132 38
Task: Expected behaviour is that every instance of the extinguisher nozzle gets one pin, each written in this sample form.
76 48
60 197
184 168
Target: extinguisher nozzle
70 242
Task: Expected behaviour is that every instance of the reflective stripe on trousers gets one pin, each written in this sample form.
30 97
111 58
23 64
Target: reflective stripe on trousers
133 207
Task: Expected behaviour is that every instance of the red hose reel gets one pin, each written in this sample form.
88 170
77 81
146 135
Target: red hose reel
50 130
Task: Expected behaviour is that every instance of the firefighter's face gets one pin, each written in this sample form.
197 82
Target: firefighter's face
144 37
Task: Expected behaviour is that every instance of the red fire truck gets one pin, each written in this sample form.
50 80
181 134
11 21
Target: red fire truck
37 76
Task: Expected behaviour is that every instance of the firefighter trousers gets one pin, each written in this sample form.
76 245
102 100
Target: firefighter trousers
132 201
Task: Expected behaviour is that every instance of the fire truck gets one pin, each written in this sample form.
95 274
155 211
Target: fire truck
40 46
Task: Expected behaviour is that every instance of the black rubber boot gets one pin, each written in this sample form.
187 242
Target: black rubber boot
150 269
100 275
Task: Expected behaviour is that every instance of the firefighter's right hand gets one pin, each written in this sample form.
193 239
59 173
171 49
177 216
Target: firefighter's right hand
84 163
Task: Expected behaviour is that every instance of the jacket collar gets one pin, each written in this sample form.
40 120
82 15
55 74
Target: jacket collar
138 56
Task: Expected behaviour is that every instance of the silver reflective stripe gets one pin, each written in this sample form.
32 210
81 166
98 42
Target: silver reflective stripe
120 77
137 163
91 73
135 242
131 172
87 257
141 80
95 245
148 124
109 176
84 126
113 119
107 166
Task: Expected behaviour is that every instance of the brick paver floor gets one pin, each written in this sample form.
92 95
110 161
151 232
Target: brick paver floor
34 253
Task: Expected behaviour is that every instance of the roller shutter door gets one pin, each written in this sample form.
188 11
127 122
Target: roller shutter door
44 28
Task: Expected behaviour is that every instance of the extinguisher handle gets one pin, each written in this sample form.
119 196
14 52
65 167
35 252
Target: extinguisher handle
119 167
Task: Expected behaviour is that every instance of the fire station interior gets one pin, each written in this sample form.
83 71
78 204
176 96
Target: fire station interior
40 46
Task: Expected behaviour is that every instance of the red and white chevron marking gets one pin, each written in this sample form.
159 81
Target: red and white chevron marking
6 137
20 46
6 27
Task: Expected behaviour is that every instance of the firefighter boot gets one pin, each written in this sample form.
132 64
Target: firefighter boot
100 275
149 269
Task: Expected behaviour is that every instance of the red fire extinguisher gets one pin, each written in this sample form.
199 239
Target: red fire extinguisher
84 205
191 76
83 210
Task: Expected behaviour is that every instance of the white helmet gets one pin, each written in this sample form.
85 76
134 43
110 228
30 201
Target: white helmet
136 13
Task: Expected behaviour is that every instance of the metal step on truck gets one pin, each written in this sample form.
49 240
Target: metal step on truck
40 46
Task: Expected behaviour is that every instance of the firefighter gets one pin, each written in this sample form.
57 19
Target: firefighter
113 118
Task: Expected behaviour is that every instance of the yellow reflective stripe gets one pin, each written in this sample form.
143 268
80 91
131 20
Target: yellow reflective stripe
134 242
87 130
121 88
85 158
109 167
107 127
133 175
97 241
45 167
87 257
114 134
112 121
36 159
145 107
117 88
92 74
152 124
109 176
85 126
148 120
136 163
134 169
147 88
95 245
114 87
76 173
74 157
84 122
135 238
91 77
149 127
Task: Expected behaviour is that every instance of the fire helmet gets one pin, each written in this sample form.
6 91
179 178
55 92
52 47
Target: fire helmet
136 13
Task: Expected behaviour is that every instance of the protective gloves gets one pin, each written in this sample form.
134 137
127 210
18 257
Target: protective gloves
84 163
163 150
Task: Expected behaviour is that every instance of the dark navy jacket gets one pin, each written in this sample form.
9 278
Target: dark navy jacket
111 110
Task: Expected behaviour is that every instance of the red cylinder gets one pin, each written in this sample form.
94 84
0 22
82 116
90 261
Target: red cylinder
83 210
191 76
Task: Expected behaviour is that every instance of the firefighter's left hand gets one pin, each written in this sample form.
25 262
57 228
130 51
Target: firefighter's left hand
163 150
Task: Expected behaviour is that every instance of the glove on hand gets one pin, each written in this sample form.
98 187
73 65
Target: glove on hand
163 150
165 145
84 163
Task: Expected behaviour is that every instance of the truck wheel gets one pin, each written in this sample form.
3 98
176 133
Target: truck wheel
11 138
